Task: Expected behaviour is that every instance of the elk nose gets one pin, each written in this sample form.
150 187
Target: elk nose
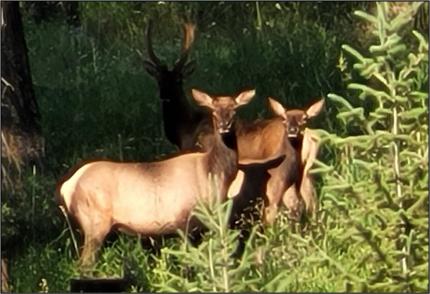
224 127
293 130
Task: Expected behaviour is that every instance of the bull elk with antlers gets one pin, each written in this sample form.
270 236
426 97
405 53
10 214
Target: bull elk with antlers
153 198
181 121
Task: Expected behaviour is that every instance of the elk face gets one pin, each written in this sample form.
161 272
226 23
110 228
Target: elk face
223 107
296 119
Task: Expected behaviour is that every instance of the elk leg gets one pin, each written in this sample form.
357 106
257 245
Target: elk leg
243 237
309 153
274 193
269 212
94 235
91 245
292 201
308 194
236 185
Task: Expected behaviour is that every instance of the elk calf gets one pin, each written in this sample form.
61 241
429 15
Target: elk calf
306 145
153 198
262 139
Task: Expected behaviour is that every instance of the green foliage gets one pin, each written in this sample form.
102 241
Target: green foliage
44 268
378 186
26 216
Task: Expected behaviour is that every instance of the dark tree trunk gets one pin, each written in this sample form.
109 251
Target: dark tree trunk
21 132
15 71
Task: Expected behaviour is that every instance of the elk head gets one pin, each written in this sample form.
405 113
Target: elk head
296 119
223 107
181 69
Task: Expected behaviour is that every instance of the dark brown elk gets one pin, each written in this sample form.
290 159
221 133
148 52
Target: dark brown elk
306 145
153 198
180 119
245 209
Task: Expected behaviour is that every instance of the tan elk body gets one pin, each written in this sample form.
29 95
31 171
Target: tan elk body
153 198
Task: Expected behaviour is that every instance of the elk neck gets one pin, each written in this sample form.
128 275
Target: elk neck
223 156
297 141
176 110
297 144
173 99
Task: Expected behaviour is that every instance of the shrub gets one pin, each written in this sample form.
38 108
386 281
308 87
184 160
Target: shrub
375 192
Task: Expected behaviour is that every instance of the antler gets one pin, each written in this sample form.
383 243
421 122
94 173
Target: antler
154 59
186 44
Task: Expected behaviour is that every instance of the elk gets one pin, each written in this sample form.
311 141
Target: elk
262 139
290 181
153 198
249 197
179 117
306 145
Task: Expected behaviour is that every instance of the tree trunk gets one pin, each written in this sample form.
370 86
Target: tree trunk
21 132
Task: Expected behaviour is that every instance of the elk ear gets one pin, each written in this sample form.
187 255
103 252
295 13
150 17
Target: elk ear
315 108
244 97
202 99
277 108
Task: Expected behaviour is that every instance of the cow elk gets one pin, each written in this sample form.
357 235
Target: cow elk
306 145
153 198
180 119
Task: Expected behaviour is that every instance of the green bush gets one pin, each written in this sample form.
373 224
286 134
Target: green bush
375 192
